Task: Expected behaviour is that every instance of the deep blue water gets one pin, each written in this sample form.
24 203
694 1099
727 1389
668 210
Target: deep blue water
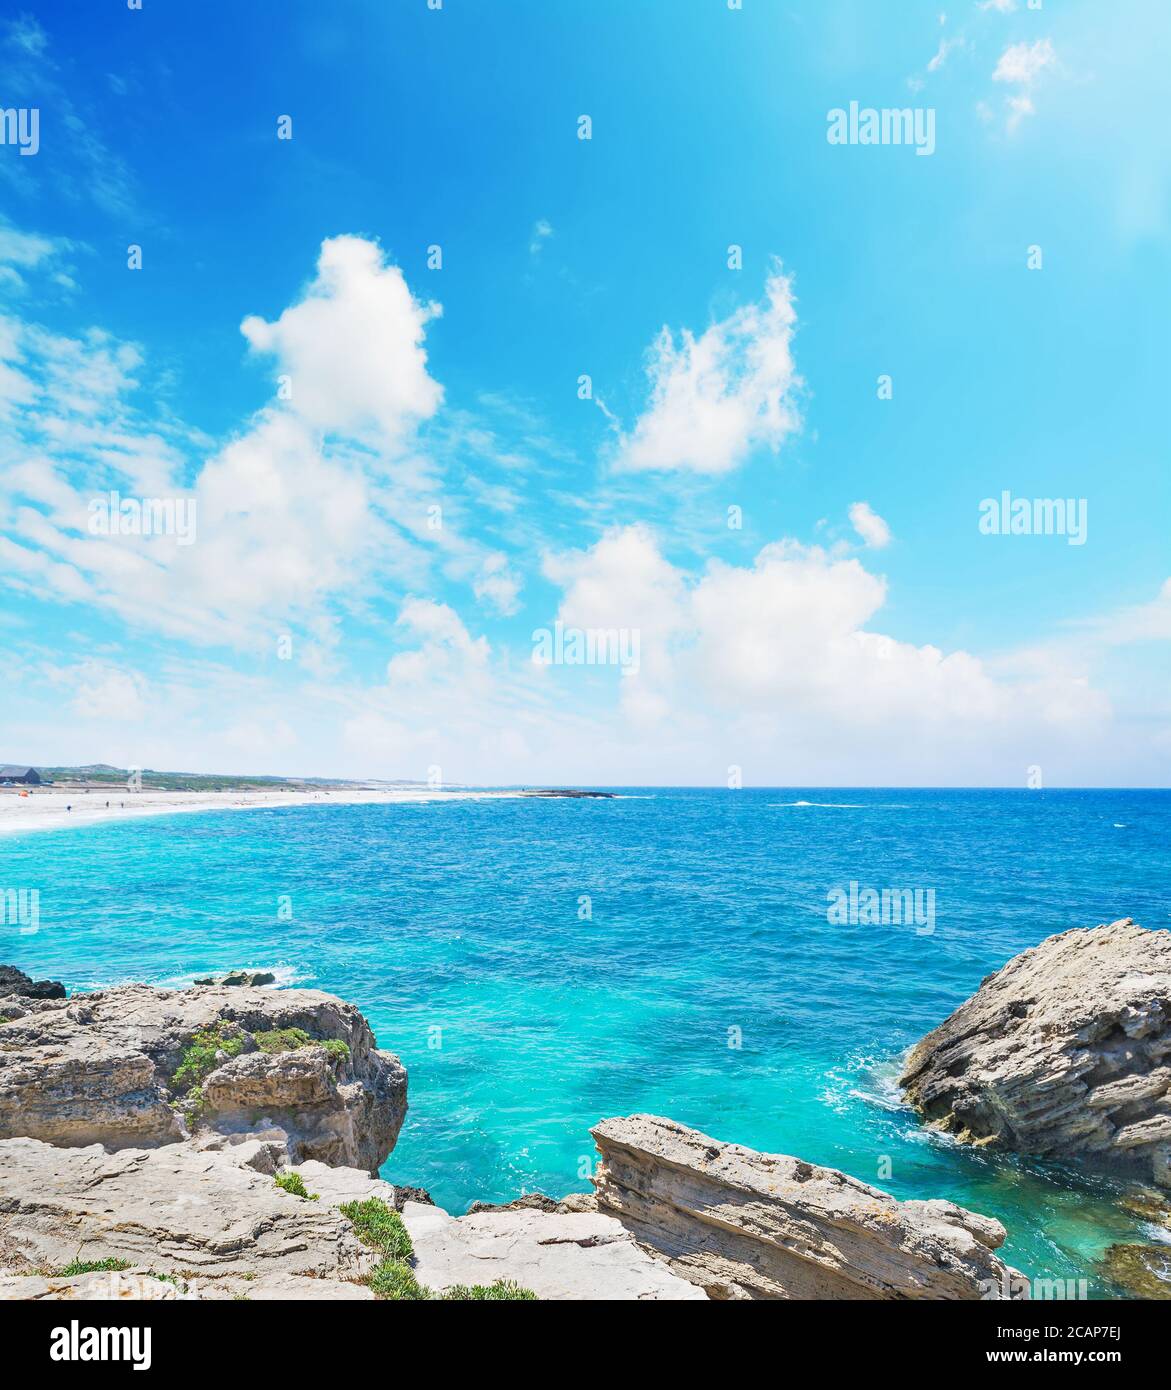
457 929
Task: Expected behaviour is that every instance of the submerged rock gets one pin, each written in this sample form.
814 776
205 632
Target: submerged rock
1065 1051
250 979
137 1066
1148 1205
1144 1271
537 1201
747 1225
16 982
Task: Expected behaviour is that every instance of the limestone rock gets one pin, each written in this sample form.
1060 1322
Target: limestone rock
576 1255
1065 1051
747 1225
172 1209
334 1186
101 1068
16 982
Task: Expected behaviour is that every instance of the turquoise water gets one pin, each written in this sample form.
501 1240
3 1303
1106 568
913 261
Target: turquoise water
456 928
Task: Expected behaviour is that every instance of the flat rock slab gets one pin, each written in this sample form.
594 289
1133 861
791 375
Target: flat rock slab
172 1209
578 1255
97 1287
1064 1052
748 1225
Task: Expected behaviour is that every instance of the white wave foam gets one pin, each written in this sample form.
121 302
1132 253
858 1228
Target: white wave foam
830 805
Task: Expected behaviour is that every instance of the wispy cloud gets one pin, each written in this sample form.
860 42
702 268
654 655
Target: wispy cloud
716 397
541 233
1020 65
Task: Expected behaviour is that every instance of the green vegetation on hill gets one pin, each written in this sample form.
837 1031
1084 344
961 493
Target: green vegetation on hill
102 775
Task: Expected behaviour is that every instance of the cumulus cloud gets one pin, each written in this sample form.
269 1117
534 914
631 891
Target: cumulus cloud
446 651
788 644
352 348
873 531
300 506
716 397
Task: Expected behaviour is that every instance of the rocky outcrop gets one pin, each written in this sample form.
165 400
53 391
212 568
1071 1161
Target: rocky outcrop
558 1255
250 979
537 1201
16 982
1065 1051
211 1223
137 1066
747 1225
172 1208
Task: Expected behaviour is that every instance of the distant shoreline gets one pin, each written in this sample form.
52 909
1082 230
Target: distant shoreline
46 808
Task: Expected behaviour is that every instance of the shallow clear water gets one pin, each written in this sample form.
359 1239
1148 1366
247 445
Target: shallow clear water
455 927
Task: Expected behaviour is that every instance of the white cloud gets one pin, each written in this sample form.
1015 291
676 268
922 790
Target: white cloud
1141 622
1024 62
946 46
541 233
447 651
1018 108
786 649
107 692
497 585
715 398
1020 65
25 248
300 508
1000 6
869 525
353 346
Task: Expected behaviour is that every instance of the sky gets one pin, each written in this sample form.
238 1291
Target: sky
457 336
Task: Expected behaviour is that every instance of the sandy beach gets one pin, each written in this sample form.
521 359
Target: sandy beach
51 809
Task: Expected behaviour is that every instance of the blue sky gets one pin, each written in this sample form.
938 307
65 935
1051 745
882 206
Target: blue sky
821 642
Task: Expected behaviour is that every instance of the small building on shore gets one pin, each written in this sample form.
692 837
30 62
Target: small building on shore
27 776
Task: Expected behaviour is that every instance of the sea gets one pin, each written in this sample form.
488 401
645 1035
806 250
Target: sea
724 958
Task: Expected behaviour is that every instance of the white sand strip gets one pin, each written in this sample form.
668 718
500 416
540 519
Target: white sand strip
50 809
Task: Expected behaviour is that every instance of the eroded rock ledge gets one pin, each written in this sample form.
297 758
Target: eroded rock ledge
1064 1052
137 1066
748 1225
